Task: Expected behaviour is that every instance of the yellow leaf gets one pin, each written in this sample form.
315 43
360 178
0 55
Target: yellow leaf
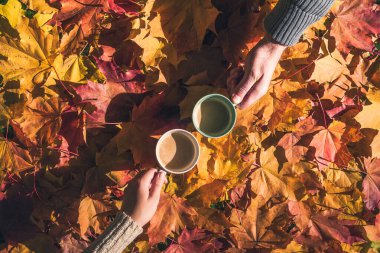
152 48
275 108
13 158
184 23
44 11
266 180
30 58
369 117
194 93
89 210
12 12
42 120
327 69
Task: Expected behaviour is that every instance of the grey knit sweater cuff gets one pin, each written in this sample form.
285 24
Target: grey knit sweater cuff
121 232
287 21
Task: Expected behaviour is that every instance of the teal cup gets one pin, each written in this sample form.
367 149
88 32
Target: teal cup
214 116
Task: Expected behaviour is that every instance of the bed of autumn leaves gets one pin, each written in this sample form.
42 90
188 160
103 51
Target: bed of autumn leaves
87 87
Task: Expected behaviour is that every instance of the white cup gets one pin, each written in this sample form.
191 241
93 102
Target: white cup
177 151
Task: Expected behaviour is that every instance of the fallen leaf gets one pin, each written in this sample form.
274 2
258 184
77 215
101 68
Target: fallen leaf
42 119
172 214
354 23
30 58
252 228
371 183
89 211
184 23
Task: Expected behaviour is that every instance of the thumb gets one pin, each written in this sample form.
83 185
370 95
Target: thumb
241 90
157 183
257 91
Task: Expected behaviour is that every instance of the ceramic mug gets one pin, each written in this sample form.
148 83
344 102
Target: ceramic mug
214 116
177 151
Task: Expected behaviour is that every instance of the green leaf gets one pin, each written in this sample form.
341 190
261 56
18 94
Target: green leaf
30 13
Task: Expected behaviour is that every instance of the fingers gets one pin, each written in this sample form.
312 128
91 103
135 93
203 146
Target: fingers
234 78
243 87
256 92
157 183
147 178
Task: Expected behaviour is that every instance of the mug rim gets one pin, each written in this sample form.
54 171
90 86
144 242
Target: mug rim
197 151
205 98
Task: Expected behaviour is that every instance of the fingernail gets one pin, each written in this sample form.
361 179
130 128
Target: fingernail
236 99
162 175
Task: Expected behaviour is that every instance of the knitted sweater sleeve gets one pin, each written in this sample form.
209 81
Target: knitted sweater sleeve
287 21
121 232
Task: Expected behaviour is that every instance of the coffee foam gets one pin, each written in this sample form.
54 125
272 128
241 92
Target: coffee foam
176 151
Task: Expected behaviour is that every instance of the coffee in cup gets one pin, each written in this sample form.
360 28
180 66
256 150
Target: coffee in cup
177 151
214 115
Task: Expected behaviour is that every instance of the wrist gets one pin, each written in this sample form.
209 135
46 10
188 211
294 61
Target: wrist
137 219
272 44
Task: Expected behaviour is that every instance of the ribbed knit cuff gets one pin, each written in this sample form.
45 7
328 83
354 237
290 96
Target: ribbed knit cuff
118 235
287 21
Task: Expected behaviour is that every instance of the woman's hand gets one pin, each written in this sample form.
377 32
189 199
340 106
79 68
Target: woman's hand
142 195
259 66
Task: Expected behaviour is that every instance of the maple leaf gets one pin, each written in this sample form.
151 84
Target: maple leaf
266 181
13 158
73 129
372 109
244 27
42 11
328 69
12 12
207 193
195 240
212 219
373 231
70 244
90 210
148 119
199 68
99 96
371 183
102 56
30 57
324 225
354 23
275 107
71 69
328 143
184 23
291 248
115 75
42 119
86 13
253 227
39 243
152 48
224 160
293 152
172 214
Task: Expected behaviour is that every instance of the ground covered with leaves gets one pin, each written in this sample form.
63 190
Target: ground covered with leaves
88 86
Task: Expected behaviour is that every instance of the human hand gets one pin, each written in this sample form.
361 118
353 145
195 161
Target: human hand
142 195
259 66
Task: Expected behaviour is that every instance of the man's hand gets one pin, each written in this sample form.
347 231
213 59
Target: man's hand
259 66
142 195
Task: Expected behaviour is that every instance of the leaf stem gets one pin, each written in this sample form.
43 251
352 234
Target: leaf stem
323 110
